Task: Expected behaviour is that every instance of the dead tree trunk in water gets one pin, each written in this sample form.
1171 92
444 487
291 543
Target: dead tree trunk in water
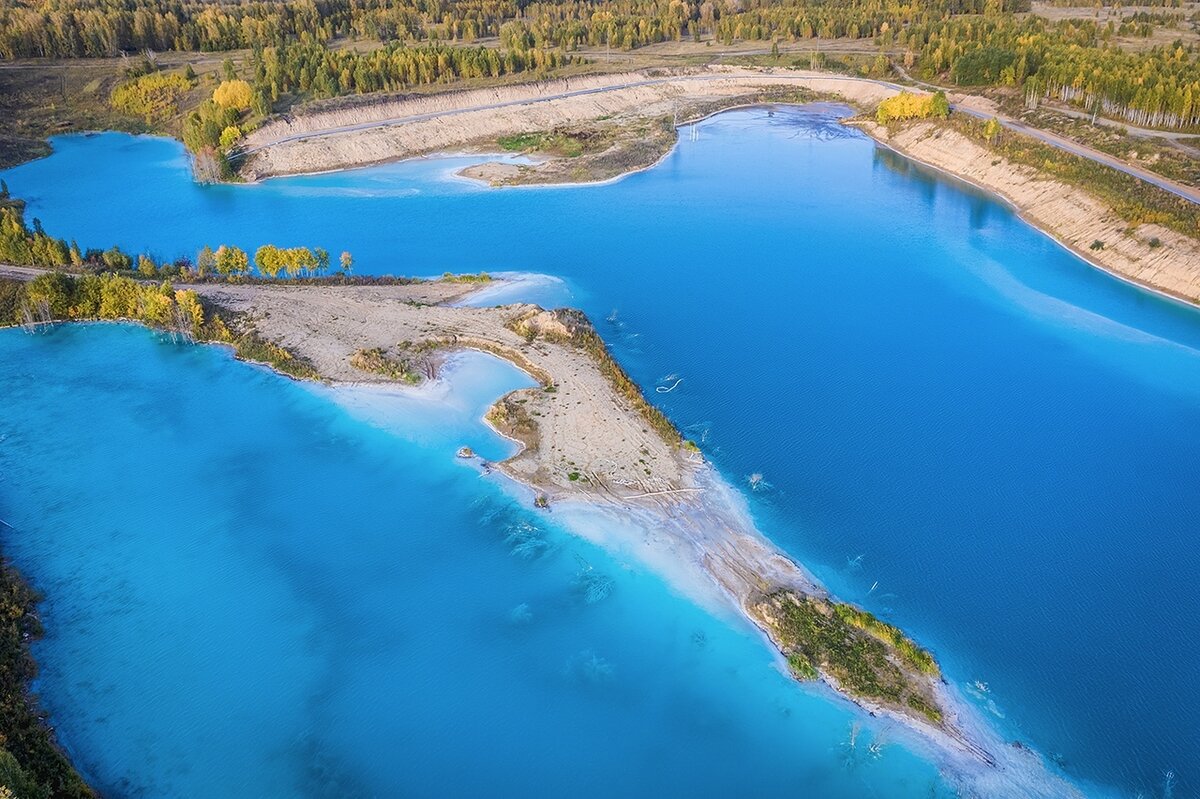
35 316
181 325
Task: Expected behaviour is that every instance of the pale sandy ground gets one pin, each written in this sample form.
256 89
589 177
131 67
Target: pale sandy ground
276 151
1073 217
584 426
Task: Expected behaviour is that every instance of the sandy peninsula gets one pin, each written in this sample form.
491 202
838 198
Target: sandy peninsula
593 448
579 435
625 111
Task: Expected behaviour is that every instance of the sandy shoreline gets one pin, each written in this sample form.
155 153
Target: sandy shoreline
1068 215
1150 256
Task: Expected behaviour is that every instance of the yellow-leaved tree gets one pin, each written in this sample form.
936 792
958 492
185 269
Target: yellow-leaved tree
230 136
906 105
154 97
991 130
234 94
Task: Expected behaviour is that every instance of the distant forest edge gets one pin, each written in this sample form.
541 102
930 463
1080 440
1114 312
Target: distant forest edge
965 42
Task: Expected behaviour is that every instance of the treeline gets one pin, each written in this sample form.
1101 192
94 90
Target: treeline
967 42
59 297
1075 61
1157 89
1092 4
98 28
31 764
22 245
94 28
313 71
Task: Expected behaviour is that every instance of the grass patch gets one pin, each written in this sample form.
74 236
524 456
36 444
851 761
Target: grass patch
481 277
565 144
891 635
378 362
870 659
250 346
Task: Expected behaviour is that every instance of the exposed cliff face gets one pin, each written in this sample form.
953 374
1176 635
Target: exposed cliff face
1071 215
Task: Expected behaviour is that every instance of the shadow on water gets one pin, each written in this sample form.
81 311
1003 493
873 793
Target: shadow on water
982 206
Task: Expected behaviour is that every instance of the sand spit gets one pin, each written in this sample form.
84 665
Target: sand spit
592 453
373 133
587 442
1071 216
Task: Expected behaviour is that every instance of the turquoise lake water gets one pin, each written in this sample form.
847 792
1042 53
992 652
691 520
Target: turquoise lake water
273 589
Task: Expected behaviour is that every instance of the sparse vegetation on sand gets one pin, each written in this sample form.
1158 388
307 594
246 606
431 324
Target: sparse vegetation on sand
1137 201
571 326
869 659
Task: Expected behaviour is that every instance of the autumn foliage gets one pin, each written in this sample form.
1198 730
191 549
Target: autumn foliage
235 94
154 97
906 105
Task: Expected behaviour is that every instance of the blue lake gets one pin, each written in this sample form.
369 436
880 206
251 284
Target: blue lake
271 589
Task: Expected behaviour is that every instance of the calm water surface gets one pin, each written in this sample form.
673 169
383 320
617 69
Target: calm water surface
956 423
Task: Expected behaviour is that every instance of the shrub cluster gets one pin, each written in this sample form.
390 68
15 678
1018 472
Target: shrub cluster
906 105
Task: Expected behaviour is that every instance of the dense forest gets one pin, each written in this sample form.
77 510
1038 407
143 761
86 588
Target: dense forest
315 71
965 42
93 28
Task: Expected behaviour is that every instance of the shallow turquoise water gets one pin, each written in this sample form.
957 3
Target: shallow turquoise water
257 589
958 424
